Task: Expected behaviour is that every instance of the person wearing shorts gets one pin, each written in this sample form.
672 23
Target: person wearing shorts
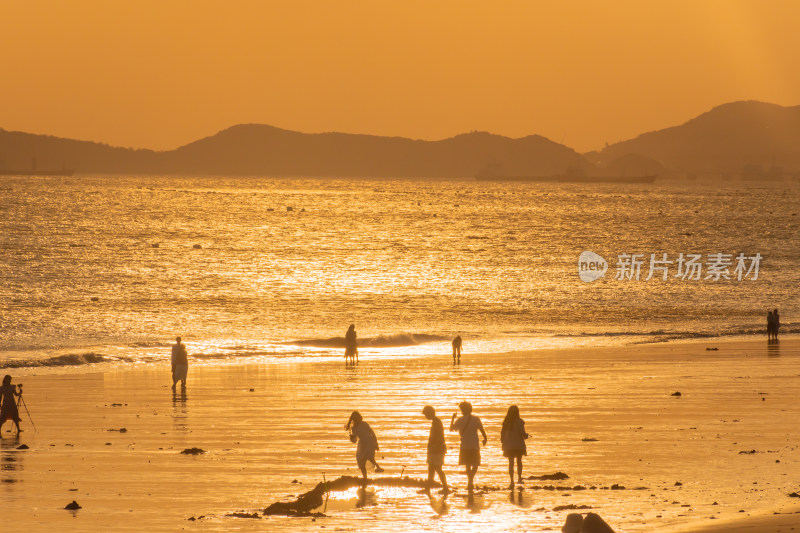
437 448
469 454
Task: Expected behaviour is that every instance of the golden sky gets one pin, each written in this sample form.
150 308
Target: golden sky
161 73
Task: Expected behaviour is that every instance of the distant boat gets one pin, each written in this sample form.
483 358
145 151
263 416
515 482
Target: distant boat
34 172
572 178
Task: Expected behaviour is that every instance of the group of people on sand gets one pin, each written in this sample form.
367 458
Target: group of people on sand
512 438
773 325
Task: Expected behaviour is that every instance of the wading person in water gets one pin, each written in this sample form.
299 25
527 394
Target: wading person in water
180 364
351 344
776 324
367 443
770 326
8 410
436 448
512 437
457 349
469 454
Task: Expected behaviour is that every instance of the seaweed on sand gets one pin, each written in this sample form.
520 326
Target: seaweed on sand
307 502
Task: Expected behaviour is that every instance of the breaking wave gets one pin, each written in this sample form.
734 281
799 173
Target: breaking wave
394 340
73 359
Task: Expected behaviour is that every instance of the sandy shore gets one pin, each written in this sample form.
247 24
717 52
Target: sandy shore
606 416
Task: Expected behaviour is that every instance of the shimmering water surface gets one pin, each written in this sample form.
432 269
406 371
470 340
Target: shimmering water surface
106 269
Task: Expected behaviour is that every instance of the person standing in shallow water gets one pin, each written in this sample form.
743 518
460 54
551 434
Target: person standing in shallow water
457 349
437 448
512 437
776 323
469 454
9 411
362 433
770 325
351 344
180 364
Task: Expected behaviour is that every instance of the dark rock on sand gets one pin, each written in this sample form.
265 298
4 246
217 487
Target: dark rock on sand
197 247
193 451
242 514
794 495
588 439
73 506
592 523
677 394
570 507
550 477
678 484
22 447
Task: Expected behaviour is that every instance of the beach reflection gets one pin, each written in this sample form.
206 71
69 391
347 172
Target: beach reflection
180 418
366 498
773 349
10 460
439 505
475 503
517 497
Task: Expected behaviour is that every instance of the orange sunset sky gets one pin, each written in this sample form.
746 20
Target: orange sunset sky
158 74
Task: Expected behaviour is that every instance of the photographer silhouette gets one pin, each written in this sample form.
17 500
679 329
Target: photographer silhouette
9 410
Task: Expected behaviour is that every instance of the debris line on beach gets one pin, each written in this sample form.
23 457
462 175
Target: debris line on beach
306 502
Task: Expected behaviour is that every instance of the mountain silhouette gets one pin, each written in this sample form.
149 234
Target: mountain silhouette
255 149
727 140
750 139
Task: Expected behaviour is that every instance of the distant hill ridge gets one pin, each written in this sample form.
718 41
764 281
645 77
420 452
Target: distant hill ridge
724 140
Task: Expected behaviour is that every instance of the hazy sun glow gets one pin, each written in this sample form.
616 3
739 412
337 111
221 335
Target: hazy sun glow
160 74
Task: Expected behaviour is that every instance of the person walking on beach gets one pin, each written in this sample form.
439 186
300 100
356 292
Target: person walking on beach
469 454
367 443
180 364
351 344
457 349
512 437
436 448
8 410
776 323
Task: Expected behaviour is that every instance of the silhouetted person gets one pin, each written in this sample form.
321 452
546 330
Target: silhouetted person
180 364
776 323
436 448
770 325
8 410
512 437
367 443
351 344
457 349
469 454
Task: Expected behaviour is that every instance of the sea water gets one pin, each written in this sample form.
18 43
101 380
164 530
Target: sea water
109 269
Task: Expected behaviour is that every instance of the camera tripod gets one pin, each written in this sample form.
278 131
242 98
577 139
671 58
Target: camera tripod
21 400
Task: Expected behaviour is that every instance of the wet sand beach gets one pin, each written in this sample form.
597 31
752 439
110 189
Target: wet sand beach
722 453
